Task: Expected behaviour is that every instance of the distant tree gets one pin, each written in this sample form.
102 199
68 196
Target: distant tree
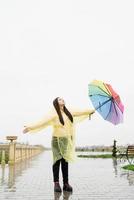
114 151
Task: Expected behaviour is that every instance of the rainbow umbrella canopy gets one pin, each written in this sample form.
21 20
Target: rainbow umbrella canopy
106 101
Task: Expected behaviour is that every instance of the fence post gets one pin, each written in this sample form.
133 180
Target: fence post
12 147
3 162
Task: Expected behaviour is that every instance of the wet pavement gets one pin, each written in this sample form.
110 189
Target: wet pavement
92 179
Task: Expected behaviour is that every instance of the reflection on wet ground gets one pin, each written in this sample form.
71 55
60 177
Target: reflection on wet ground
90 178
129 175
66 195
115 166
9 174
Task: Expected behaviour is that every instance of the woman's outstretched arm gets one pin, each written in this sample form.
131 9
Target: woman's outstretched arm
45 122
78 113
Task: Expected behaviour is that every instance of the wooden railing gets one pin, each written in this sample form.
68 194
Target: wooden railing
13 152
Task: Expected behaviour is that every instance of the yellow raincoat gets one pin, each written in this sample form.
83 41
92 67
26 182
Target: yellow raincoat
63 137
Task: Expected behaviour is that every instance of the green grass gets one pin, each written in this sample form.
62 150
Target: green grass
96 156
128 167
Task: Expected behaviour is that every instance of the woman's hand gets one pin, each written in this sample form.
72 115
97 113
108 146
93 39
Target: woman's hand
26 129
92 111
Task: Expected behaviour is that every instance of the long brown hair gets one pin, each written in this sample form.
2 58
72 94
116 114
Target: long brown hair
66 111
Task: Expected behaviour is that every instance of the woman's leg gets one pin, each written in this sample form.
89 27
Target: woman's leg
64 168
56 167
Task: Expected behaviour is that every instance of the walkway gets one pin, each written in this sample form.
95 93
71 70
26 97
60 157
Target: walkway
92 179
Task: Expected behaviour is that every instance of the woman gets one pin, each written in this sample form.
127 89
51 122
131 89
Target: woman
63 139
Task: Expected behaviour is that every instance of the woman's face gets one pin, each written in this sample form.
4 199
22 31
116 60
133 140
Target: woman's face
61 101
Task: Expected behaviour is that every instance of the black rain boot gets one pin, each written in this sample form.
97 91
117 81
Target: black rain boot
57 187
67 187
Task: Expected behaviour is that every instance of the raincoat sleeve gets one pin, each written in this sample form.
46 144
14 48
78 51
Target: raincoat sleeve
43 123
80 115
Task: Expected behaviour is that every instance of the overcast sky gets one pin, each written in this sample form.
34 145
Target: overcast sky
56 48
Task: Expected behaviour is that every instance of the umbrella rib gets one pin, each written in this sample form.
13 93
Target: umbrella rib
109 110
101 89
115 110
118 106
106 88
102 104
97 95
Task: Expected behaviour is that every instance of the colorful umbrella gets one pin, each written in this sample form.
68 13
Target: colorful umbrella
106 101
